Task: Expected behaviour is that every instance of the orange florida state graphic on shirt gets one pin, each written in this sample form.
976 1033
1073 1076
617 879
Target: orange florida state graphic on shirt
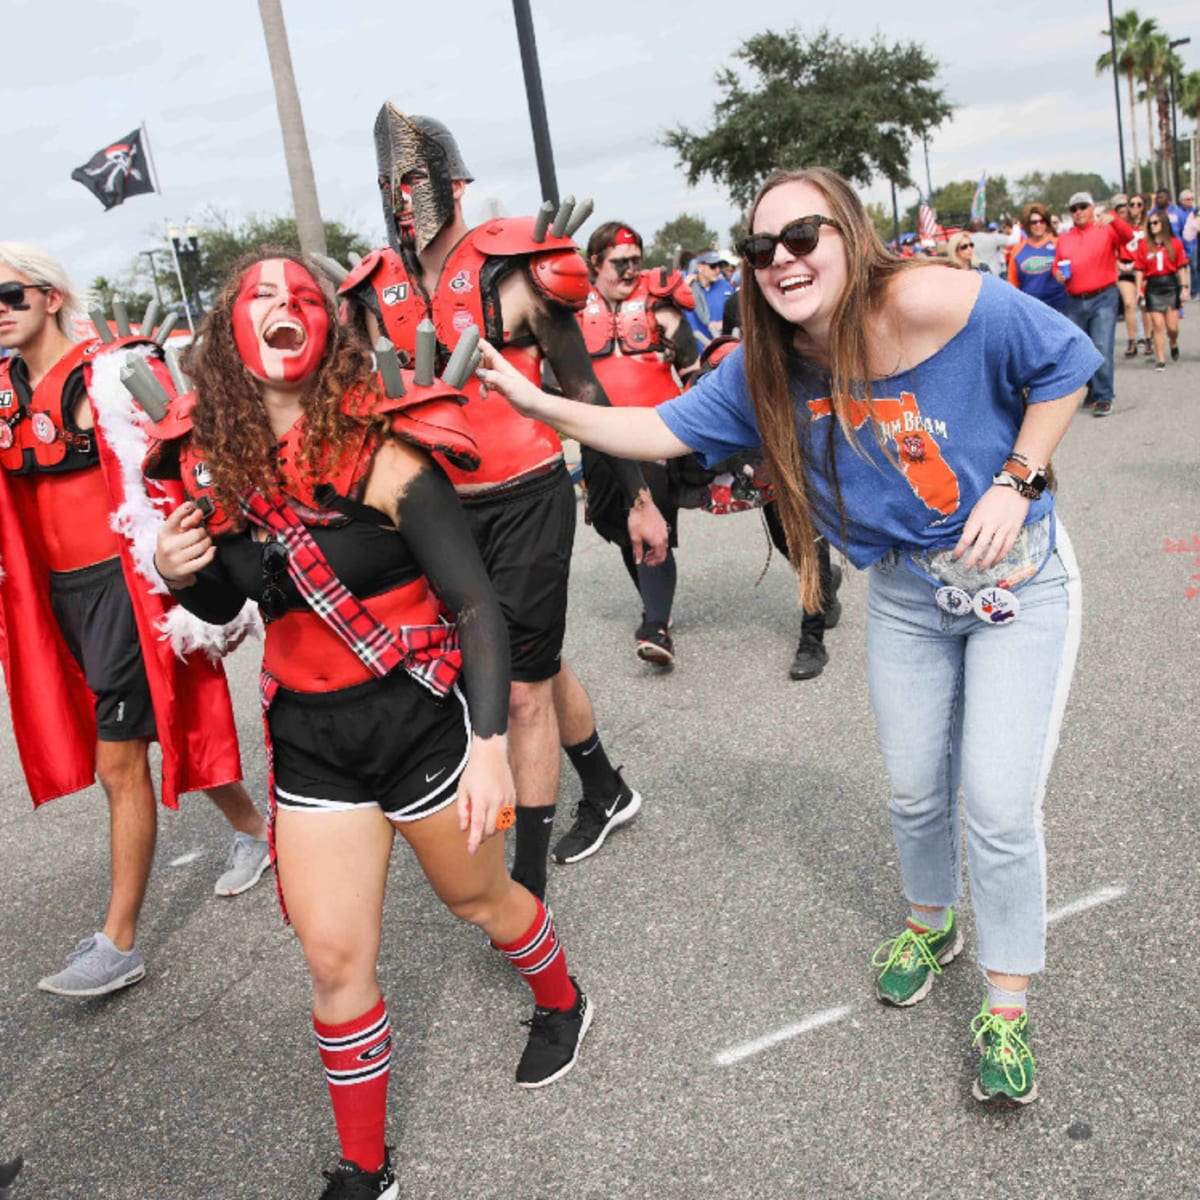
917 452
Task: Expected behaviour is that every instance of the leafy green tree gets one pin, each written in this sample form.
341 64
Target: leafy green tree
952 202
225 239
814 100
104 290
881 218
1055 189
685 232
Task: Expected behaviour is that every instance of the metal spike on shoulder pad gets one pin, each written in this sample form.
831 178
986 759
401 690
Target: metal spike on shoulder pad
331 267
476 359
545 215
426 358
178 377
564 215
121 316
354 258
150 318
458 369
583 210
387 363
101 323
164 330
144 388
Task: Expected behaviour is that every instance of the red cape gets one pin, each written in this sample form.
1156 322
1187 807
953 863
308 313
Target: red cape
53 711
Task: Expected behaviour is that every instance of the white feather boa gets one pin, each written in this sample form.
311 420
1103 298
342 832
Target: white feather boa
137 519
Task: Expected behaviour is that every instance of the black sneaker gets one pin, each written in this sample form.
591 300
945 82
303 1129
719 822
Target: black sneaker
1103 408
351 1182
810 660
1174 353
555 1036
654 644
594 821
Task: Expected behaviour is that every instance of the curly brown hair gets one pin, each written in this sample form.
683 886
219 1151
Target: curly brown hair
229 423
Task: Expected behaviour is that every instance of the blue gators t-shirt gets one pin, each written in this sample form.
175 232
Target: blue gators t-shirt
1034 266
949 424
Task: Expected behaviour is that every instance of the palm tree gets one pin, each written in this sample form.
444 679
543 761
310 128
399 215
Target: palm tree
291 119
1147 55
1125 28
1187 92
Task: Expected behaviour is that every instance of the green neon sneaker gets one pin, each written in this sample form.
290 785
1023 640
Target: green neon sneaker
1005 1076
909 962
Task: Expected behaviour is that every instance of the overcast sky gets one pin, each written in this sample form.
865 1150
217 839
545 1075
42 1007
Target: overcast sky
81 73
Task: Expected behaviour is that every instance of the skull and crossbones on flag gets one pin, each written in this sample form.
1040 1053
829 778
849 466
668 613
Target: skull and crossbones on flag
117 172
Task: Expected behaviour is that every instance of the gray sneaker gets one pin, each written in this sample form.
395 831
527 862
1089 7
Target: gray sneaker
248 859
94 968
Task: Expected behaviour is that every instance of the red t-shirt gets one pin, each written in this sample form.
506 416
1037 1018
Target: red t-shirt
1153 260
1093 253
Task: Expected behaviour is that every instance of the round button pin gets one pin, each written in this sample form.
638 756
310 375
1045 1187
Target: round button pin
43 428
996 605
953 600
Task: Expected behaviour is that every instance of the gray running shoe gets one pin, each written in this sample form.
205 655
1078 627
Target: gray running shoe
248 859
94 968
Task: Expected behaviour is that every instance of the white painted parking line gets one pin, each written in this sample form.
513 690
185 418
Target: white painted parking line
184 859
1104 895
735 1054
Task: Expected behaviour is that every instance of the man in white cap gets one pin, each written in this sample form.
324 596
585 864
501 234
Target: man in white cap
1085 261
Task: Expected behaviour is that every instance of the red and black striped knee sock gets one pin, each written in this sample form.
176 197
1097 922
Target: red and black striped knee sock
538 955
357 1056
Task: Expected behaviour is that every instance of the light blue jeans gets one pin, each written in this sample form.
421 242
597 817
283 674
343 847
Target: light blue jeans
959 703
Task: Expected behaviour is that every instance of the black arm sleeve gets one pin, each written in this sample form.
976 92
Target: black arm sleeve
561 340
431 520
683 341
213 597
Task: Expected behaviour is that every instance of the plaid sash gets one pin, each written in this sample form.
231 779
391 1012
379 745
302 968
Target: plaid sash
429 653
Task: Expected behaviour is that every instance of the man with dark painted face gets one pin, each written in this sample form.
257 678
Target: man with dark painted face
522 294
90 679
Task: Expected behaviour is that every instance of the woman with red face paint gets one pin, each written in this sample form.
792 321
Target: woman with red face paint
316 496
908 412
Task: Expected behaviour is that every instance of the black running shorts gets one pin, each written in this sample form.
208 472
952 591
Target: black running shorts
388 742
608 506
95 614
525 536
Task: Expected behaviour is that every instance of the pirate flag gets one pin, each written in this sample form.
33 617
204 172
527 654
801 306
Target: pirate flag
117 172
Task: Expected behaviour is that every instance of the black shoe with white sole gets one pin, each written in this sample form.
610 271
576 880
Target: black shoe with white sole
351 1182
555 1036
595 819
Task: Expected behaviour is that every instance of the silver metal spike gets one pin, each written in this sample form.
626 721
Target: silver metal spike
426 354
564 215
121 316
150 318
332 268
354 258
388 365
545 215
164 330
583 210
100 321
144 388
178 377
458 369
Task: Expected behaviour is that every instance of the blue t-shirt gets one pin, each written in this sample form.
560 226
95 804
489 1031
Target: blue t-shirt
949 423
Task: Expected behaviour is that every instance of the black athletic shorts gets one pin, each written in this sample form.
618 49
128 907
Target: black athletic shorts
95 614
525 536
1162 293
608 506
388 742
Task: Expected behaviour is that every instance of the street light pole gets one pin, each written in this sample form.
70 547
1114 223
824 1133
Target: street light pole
185 249
153 274
1175 112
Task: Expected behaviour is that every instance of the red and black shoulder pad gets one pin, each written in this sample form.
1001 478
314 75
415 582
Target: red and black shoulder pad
94 347
715 353
430 417
670 286
364 269
166 439
555 264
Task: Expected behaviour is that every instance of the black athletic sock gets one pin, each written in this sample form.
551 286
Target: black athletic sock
534 827
631 567
592 766
657 588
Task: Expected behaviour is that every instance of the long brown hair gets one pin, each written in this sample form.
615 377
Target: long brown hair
1166 235
230 426
768 344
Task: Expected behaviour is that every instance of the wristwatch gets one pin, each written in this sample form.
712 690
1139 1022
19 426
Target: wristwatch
1029 481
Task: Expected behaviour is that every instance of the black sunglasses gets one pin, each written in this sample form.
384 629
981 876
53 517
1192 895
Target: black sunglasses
12 294
799 238
273 603
1079 207
966 245
624 267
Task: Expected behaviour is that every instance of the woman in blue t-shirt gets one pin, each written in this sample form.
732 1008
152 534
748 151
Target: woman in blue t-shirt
908 412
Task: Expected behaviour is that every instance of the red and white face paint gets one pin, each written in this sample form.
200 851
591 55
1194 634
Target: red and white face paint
280 324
